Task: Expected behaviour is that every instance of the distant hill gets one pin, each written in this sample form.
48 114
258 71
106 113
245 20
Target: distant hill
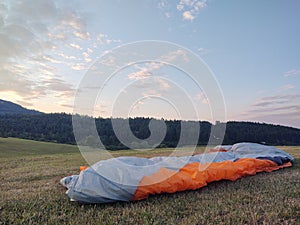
7 107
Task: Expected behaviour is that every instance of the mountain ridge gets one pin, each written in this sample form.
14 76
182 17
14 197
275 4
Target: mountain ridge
17 121
8 107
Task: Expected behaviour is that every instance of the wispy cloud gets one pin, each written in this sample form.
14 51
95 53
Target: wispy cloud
59 87
287 87
104 39
24 38
78 66
147 80
141 74
138 104
23 103
202 98
87 55
60 37
81 35
172 56
50 59
76 46
203 51
277 109
163 84
66 56
145 71
72 20
284 109
276 98
152 83
151 77
39 40
293 72
67 105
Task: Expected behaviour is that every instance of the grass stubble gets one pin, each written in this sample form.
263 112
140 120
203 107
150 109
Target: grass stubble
31 193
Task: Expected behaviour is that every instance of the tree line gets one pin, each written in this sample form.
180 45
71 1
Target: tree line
57 127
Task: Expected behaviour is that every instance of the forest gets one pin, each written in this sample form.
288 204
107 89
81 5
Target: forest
58 128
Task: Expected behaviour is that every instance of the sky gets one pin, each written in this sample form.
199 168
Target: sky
250 48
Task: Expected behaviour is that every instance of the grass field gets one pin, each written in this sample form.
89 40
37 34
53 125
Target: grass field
31 193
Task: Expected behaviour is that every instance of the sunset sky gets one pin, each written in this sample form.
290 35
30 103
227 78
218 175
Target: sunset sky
251 47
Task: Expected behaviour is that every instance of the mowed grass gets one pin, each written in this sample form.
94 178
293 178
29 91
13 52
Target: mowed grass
31 193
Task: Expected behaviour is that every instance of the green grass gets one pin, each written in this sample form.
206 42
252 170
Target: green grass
13 147
30 193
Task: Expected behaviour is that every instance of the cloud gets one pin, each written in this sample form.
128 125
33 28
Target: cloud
141 74
180 7
151 86
162 4
276 100
21 84
81 35
202 97
49 58
187 15
103 39
76 46
280 108
203 51
267 103
168 15
107 61
163 84
85 54
102 108
277 109
72 20
16 42
190 8
172 56
60 37
292 72
285 97
67 105
24 40
66 56
40 45
100 38
78 66
151 79
60 87
287 87
33 14
152 92
138 104
24 104
147 81
145 71
86 57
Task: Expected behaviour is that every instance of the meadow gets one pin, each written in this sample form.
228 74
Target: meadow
31 193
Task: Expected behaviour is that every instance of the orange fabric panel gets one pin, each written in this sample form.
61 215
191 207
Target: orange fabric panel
83 168
196 175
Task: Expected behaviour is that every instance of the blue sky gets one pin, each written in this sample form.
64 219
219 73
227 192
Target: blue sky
252 48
